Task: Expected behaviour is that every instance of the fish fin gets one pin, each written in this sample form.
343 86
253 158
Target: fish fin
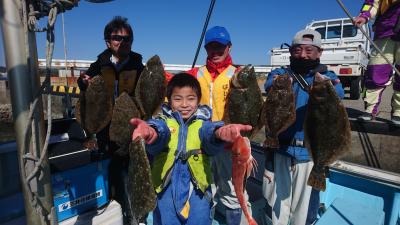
251 167
252 221
255 166
317 179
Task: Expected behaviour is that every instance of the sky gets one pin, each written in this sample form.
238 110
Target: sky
172 28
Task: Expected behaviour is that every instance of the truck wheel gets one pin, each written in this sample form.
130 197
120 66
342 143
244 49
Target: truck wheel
355 88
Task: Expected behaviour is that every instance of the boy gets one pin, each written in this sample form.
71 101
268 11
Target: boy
181 141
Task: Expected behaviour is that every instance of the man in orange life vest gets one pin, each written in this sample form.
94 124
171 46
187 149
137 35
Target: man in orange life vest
214 80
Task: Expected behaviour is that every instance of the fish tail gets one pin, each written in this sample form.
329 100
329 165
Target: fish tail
317 179
252 221
271 142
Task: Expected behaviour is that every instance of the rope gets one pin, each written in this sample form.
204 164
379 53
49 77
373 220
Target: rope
368 37
29 159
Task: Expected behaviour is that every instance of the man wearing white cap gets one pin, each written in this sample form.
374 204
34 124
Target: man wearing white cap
290 199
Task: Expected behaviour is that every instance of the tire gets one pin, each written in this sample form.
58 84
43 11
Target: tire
355 88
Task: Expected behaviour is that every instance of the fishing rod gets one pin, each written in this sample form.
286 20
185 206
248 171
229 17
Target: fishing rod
368 37
210 9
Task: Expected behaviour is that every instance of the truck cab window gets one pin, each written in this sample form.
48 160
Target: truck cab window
349 31
333 32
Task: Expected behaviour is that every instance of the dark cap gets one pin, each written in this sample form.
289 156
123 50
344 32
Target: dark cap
218 34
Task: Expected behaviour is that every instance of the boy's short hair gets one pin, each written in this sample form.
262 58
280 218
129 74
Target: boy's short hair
181 80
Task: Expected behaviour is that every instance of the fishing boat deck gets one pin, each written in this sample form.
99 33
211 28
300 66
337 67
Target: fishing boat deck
355 194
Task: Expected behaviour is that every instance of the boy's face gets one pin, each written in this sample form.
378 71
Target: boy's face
185 101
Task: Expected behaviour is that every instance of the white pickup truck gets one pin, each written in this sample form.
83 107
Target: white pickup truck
346 51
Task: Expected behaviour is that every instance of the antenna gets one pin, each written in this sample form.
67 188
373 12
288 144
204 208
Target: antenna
67 97
204 31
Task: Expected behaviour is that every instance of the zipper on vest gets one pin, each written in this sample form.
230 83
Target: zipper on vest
211 95
196 184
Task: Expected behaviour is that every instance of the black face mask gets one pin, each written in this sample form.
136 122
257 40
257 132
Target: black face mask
303 66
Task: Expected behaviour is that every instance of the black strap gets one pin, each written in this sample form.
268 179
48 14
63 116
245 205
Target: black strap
300 79
185 155
293 142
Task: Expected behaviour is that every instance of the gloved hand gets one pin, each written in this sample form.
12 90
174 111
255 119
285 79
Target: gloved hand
143 130
91 144
230 132
321 77
359 21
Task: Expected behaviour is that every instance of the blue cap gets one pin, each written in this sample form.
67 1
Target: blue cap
218 34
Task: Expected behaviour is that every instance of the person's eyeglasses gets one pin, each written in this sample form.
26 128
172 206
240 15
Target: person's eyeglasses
121 38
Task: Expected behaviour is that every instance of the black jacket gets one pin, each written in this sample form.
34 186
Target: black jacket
103 59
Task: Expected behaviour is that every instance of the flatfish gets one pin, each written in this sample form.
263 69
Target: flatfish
280 109
142 196
150 89
120 128
327 129
244 100
94 108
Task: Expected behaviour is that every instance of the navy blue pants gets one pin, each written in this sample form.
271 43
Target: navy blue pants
166 214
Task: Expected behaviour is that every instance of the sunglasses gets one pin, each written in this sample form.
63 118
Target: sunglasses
121 38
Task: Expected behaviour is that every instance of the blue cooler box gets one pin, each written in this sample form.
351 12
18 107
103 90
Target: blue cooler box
80 189
79 177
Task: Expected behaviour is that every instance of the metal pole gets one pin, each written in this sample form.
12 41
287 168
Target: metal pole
368 37
67 97
23 80
204 31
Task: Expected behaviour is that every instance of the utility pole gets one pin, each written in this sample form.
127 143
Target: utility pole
21 60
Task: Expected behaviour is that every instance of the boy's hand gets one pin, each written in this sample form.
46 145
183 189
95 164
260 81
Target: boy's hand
230 132
143 130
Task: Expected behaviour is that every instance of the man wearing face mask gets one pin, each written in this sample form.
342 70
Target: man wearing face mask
214 80
120 68
290 199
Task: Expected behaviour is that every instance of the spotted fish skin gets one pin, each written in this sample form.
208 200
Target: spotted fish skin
142 196
124 110
327 129
280 109
94 107
151 86
244 101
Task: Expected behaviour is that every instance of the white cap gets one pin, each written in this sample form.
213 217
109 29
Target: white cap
307 33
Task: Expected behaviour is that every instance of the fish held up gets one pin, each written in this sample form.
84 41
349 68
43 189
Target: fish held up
244 101
151 86
243 164
124 110
327 129
94 107
142 196
279 109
